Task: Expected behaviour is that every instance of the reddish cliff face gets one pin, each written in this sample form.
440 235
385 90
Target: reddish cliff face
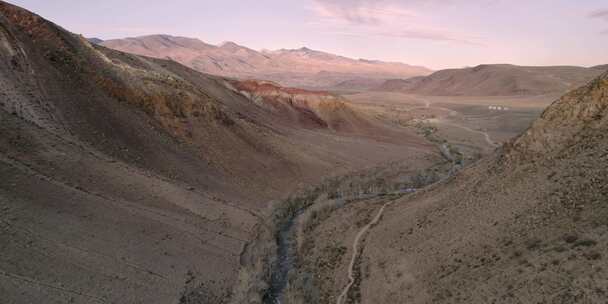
271 88
306 108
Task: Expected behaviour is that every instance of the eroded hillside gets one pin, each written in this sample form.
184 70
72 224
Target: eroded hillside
129 179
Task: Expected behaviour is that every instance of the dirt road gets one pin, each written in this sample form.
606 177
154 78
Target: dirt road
428 105
485 134
362 232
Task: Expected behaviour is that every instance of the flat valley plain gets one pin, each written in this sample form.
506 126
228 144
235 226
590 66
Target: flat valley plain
474 124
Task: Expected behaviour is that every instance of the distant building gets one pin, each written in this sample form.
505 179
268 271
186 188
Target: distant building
498 108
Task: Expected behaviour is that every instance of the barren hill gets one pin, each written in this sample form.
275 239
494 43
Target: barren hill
527 225
128 179
362 84
496 80
290 67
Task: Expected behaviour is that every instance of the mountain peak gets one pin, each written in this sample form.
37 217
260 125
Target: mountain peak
150 44
228 44
301 50
233 47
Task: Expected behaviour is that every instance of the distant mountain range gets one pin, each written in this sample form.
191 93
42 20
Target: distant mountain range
496 80
307 68
301 67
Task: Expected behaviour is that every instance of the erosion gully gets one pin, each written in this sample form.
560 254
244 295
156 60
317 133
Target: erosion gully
286 257
287 242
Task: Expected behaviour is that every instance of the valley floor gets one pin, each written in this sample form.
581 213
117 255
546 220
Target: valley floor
329 236
474 124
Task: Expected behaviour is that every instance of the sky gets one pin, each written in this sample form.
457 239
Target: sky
434 33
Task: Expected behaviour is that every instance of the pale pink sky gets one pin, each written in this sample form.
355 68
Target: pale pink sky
434 33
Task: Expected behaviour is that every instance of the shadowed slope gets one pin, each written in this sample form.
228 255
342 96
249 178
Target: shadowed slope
129 179
308 109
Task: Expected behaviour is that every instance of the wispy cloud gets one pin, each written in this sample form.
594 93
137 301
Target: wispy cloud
600 14
432 35
359 12
382 18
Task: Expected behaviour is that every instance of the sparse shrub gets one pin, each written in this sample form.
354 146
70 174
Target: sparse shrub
584 243
333 195
559 248
593 255
570 238
533 244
